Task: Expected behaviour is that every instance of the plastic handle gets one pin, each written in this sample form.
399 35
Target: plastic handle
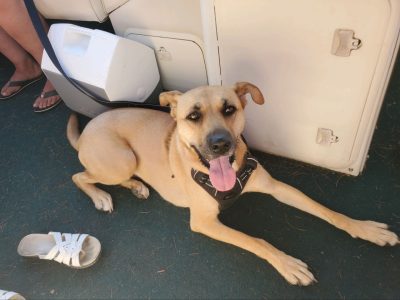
76 41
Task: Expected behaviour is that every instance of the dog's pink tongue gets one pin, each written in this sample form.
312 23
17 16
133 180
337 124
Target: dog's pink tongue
222 175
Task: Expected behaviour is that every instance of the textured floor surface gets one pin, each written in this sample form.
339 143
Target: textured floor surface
148 248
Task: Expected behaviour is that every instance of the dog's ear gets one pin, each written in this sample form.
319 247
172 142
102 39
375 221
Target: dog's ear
170 98
243 88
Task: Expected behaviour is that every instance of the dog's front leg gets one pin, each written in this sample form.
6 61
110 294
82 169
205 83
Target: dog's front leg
293 270
374 232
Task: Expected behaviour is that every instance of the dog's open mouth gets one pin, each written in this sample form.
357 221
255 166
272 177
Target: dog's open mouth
222 175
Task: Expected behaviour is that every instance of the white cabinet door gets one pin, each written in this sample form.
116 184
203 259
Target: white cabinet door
320 107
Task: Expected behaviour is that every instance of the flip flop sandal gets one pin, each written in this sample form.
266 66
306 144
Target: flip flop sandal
47 95
22 84
7 295
74 250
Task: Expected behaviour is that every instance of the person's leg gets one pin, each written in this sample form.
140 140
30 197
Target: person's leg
25 66
15 20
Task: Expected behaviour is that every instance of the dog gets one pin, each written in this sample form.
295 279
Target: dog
196 157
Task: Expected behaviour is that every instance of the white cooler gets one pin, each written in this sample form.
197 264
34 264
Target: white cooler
112 67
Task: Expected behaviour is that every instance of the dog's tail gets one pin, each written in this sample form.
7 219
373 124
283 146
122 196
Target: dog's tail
73 133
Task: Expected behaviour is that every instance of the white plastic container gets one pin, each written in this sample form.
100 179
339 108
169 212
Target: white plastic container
114 68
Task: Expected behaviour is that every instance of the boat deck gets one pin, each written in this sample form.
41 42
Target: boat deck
148 250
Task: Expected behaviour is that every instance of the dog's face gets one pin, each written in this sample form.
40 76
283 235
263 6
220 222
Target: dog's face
210 120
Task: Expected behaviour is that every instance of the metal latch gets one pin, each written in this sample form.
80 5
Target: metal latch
326 137
163 54
344 42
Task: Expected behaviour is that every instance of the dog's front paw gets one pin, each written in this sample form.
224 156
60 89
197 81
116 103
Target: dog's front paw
103 201
294 270
374 232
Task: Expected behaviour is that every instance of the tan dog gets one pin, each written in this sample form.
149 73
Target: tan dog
202 135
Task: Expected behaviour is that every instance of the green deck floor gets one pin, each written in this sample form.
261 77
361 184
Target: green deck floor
148 248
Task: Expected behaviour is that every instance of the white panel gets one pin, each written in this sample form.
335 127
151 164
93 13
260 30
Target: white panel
210 42
162 15
179 56
284 47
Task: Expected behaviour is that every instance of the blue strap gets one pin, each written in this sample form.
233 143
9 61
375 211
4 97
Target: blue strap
37 24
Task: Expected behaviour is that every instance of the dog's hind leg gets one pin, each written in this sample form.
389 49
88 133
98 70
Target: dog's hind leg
137 187
101 199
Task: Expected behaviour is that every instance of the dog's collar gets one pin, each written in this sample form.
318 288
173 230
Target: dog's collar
227 198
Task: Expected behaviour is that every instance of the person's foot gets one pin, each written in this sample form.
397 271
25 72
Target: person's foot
29 69
47 99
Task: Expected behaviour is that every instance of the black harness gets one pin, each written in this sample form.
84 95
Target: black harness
227 198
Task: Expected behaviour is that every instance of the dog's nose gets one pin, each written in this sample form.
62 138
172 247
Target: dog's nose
219 142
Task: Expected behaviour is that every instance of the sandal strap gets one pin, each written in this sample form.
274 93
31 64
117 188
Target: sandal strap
49 94
67 248
4 295
16 83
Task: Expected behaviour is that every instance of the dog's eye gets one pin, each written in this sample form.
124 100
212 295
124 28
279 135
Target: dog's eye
228 110
194 116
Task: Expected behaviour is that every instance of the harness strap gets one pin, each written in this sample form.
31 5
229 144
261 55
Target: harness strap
227 198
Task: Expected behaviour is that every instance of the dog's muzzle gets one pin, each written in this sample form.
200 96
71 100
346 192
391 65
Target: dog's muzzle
219 142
